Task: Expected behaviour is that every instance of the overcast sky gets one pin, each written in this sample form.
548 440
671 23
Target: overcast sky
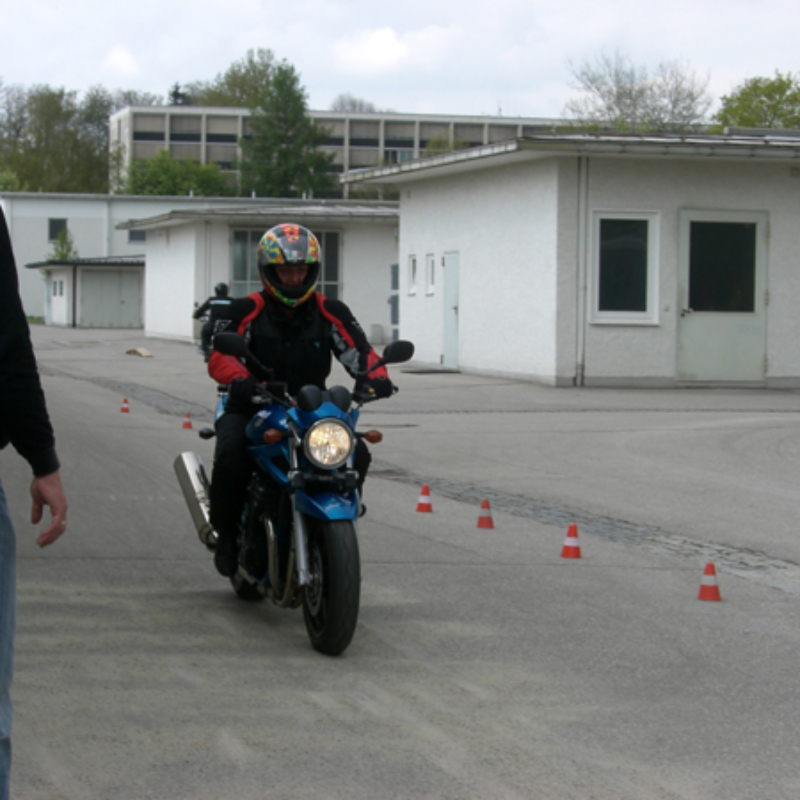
421 56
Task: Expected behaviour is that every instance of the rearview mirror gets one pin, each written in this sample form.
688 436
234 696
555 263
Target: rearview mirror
397 352
231 344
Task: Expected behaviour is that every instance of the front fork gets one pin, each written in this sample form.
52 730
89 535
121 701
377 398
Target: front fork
300 530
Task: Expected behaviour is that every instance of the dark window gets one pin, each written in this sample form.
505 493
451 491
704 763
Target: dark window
330 258
623 265
398 142
364 142
54 227
148 136
722 266
334 141
222 138
137 236
182 136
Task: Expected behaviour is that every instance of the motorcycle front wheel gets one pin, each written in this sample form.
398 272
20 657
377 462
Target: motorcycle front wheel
331 599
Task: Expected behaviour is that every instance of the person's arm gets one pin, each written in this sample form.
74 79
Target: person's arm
226 369
23 414
202 310
351 345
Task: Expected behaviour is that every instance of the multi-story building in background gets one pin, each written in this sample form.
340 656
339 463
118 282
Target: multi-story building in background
357 140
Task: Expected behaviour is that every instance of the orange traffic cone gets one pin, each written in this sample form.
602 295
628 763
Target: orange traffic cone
571 547
708 586
187 423
425 500
125 409
485 518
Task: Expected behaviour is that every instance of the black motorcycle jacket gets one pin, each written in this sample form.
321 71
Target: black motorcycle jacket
215 307
298 347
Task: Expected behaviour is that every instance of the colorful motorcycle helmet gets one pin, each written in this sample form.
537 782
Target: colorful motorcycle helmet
221 290
288 244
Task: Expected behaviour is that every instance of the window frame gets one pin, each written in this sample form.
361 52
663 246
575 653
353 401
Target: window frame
650 316
253 278
430 274
412 275
56 222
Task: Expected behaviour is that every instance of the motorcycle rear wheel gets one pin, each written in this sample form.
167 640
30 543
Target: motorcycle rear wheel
331 600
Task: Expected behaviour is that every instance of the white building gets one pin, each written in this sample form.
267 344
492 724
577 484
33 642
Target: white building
94 292
35 219
604 260
190 251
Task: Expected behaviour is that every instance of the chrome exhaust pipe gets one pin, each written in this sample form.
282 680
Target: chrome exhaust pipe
194 483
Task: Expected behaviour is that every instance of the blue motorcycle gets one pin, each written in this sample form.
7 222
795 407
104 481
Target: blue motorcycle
298 542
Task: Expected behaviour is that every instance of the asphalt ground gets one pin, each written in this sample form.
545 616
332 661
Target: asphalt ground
484 665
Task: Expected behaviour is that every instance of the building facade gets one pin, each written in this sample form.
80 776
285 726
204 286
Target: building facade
35 219
605 260
356 140
190 251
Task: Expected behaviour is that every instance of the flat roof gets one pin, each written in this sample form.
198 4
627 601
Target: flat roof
360 116
102 261
303 210
777 146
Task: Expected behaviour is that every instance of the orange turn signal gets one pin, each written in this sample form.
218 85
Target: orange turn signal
273 436
373 437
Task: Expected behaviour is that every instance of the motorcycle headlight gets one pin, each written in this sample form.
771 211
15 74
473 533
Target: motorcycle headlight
328 444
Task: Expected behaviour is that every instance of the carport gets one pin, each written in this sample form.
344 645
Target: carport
94 292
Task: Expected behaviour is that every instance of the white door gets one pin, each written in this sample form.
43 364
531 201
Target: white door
450 311
722 296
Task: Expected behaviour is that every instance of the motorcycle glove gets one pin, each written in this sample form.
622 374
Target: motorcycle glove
379 387
240 393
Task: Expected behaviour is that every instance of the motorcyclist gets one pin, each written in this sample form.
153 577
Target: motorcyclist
294 330
215 307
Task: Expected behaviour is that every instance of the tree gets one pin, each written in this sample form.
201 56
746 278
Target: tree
133 97
618 95
52 142
164 175
63 247
281 159
348 103
9 182
179 98
442 144
241 86
46 147
762 103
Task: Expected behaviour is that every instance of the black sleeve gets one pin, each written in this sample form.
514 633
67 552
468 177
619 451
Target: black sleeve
203 309
350 344
23 414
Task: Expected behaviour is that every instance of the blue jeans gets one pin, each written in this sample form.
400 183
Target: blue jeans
8 604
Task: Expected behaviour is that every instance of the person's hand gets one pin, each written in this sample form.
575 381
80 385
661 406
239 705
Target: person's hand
240 394
378 387
48 491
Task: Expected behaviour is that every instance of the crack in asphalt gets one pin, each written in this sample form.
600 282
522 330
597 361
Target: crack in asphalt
743 562
161 401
